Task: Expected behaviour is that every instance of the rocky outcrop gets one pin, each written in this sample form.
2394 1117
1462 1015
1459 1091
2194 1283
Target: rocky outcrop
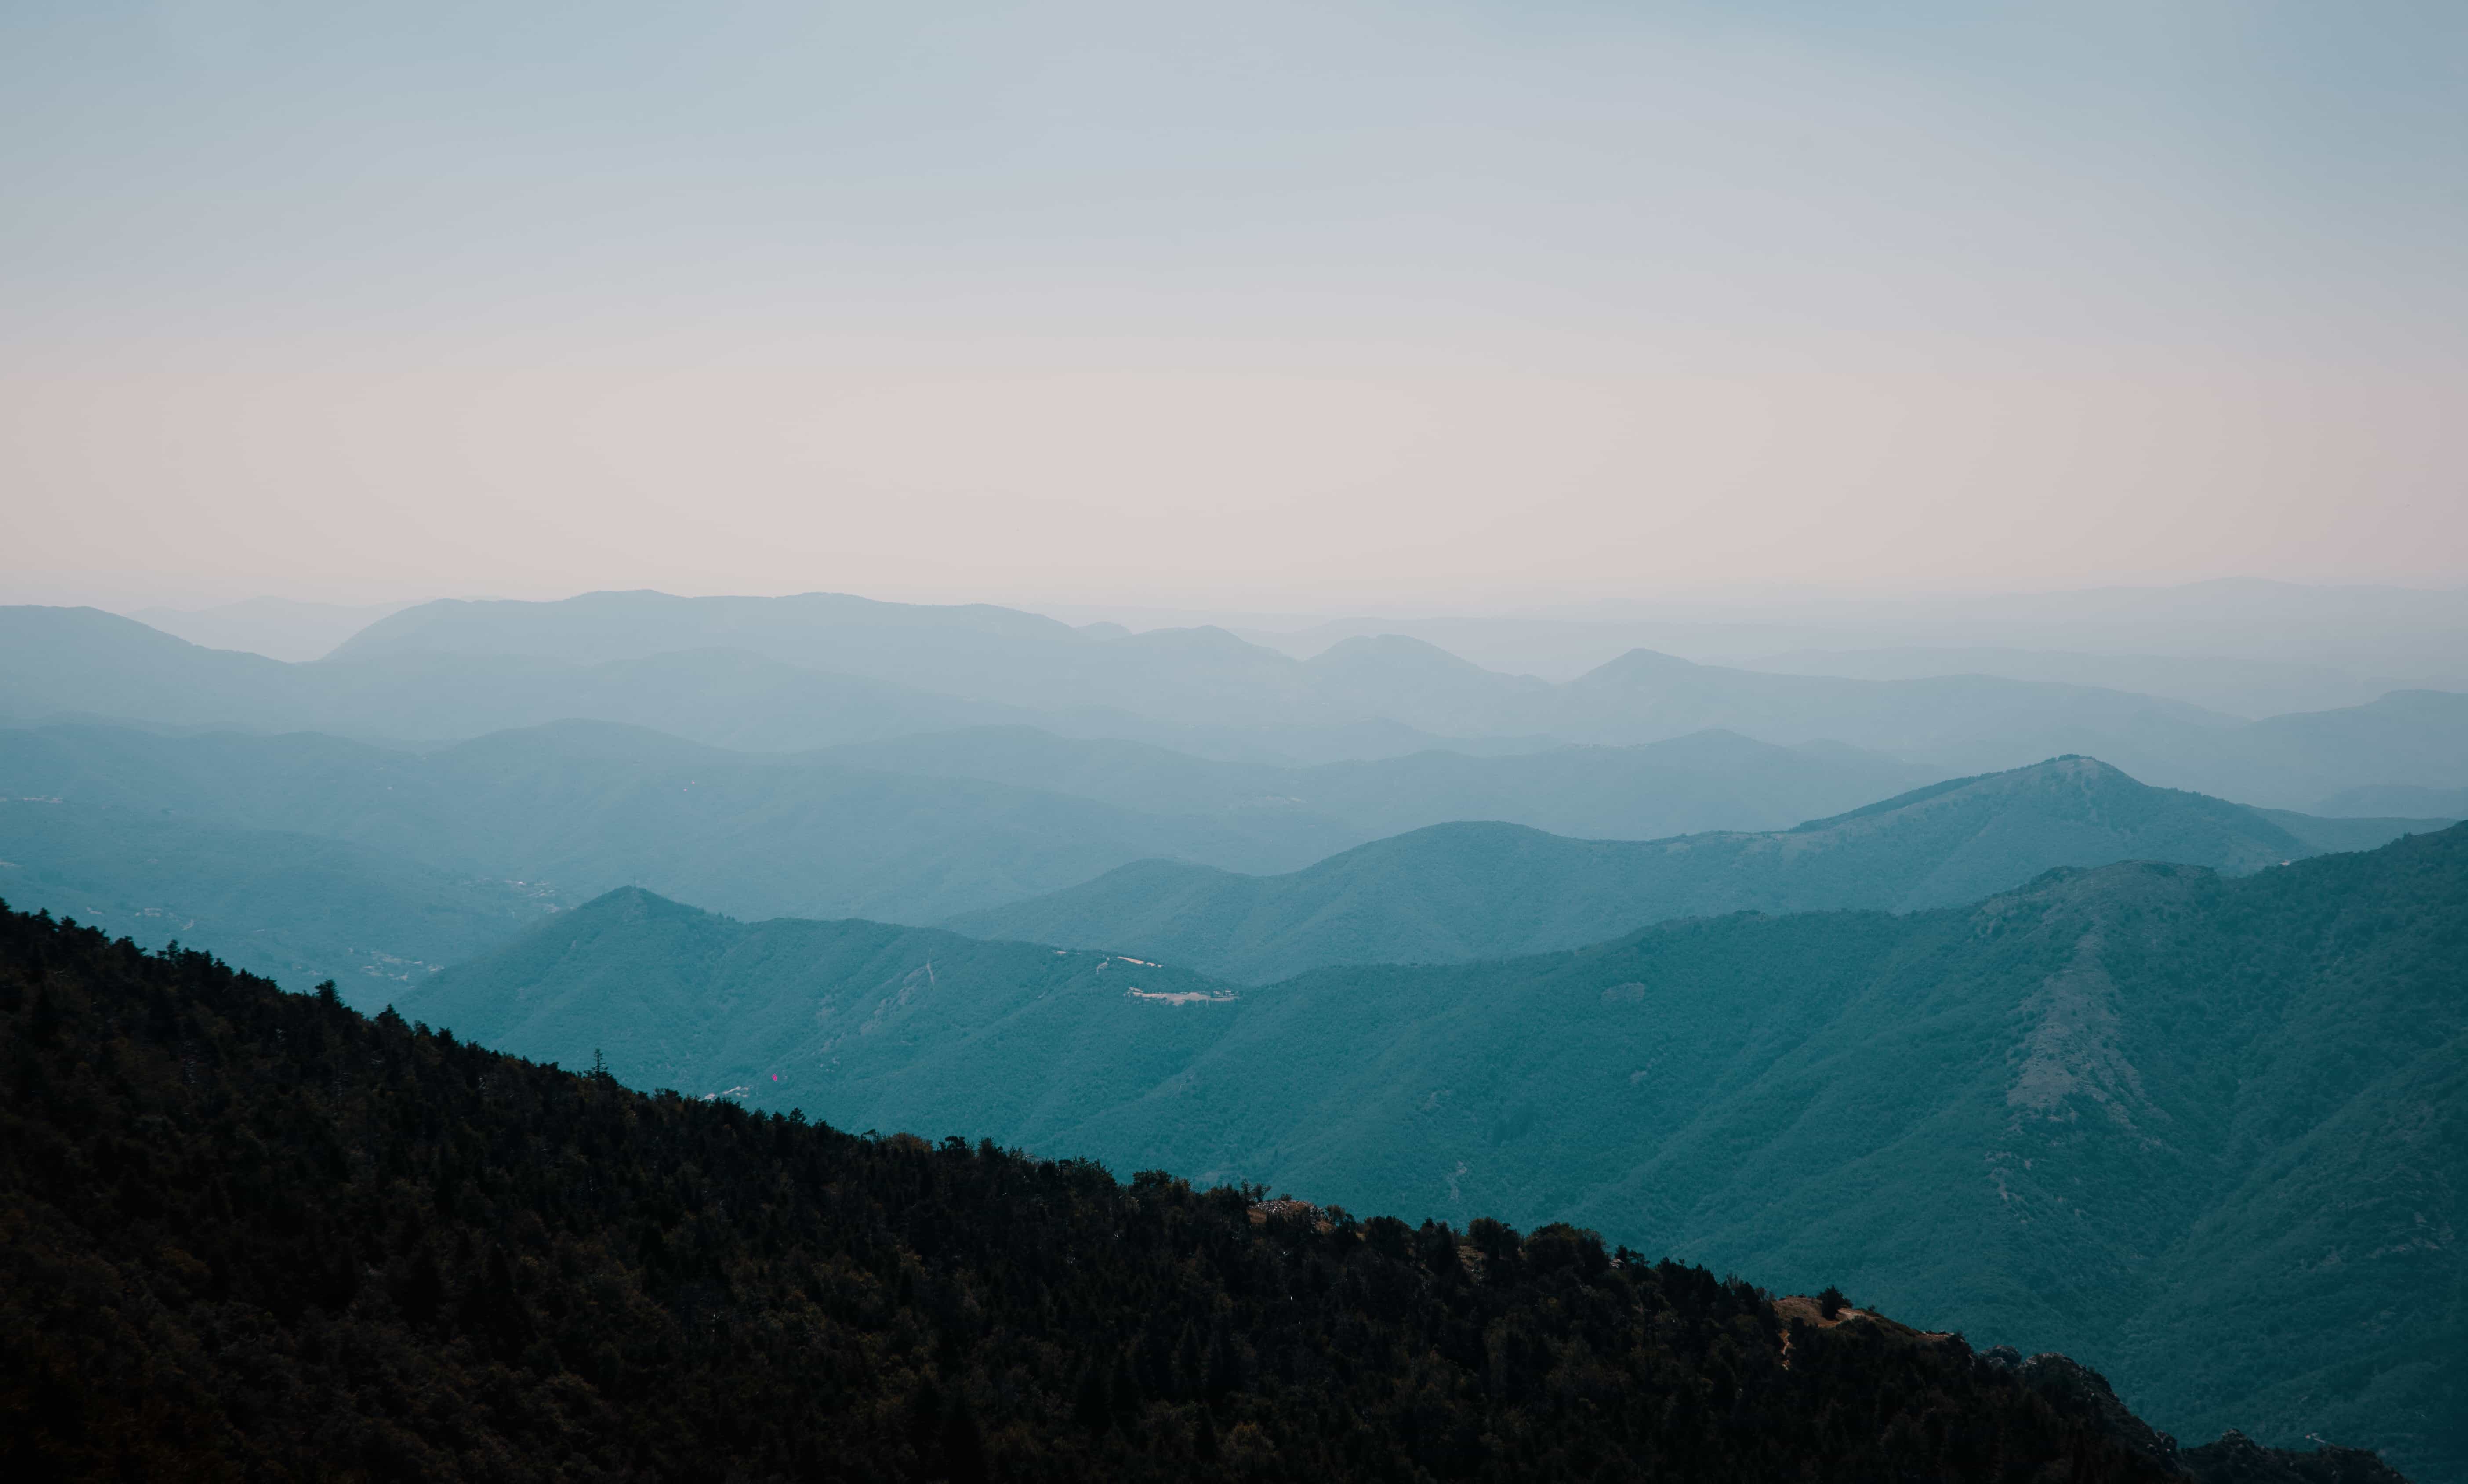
2238 1459
2234 1459
2078 1389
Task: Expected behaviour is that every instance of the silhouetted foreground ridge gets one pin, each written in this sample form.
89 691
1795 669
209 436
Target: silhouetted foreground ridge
249 1234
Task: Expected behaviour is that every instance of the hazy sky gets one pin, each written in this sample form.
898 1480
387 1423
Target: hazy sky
1304 306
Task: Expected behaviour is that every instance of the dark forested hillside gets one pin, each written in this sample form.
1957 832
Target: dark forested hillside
1467 891
247 1234
2202 1132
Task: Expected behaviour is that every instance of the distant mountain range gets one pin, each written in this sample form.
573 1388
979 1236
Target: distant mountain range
1465 891
276 627
427 858
2199 1131
788 674
2248 645
911 830
2238 687
85 664
305 856
1206 678
581 807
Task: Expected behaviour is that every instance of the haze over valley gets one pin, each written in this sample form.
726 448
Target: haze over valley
1828 978
1341 741
1156 899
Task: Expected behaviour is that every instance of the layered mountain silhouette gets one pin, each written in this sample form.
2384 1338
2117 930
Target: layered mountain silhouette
586 806
85 664
787 673
429 858
2197 1130
424 859
1467 891
1207 677
2250 647
908 831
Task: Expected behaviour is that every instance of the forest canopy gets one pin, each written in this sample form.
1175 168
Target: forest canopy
245 1233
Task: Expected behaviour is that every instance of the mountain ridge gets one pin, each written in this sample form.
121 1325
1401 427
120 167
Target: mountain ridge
591 805
1465 891
587 806
754 672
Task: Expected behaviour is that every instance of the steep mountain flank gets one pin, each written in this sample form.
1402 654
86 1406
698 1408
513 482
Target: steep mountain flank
251 1235
2202 1132
675 997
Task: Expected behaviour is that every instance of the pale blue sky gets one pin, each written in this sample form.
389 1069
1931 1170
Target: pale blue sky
1255 302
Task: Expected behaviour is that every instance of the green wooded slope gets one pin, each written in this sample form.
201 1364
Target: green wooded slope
2201 1132
249 1235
